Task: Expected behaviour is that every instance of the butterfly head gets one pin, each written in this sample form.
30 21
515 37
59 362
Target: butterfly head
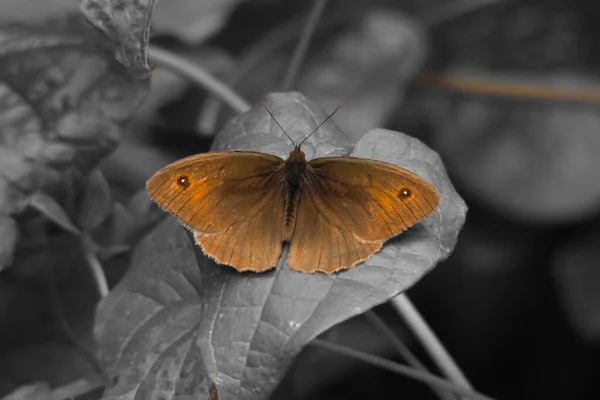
297 152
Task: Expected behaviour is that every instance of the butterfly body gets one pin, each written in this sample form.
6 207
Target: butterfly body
294 177
334 211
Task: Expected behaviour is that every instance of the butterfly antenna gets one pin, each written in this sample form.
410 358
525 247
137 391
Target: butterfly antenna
320 125
280 127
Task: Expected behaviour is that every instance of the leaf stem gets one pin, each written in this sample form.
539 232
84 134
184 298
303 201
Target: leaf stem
429 340
200 76
301 49
405 352
95 266
77 388
400 369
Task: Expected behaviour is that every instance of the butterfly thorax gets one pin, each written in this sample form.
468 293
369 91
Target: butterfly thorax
295 168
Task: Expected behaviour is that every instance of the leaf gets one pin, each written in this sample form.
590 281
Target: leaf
49 362
8 241
34 11
144 212
95 204
12 200
34 391
121 224
524 157
178 323
192 20
53 211
381 55
127 24
64 103
576 273
139 205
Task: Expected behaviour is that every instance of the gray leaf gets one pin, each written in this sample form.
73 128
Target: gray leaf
177 323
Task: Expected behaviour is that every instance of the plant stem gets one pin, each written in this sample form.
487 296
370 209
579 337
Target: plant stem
301 49
77 388
200 76
95 266
405 352
400 369
429 340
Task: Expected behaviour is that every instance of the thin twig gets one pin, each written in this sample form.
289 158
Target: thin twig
429 340
198 75
400 369
401 348
405 352
301 49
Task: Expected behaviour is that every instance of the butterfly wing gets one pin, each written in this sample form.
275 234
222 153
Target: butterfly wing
348 207
233 202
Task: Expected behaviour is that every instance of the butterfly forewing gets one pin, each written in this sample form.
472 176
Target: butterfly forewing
233 201
349 206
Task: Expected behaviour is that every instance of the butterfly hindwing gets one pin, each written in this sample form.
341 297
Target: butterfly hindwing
233 202
348 207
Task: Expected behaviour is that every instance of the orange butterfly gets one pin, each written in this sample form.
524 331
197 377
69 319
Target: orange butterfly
334 212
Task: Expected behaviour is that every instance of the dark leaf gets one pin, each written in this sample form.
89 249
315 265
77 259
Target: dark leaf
34 391
53 211
106 253
144 212
139 205
577 275
178 323
8 240
121 224
127 24
12 199
95 204
49 362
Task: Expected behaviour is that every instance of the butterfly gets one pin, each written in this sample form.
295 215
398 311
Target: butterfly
334 212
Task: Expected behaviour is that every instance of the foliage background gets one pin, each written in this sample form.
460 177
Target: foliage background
516 304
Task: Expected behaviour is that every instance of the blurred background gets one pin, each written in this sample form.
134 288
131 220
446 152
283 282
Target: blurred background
506 91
